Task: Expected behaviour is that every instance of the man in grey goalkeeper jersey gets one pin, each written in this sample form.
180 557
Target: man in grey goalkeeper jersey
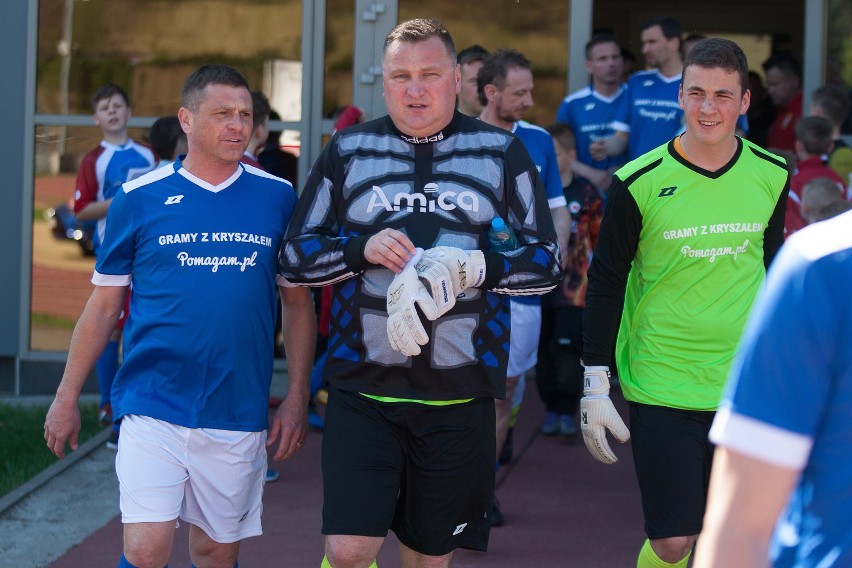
411 393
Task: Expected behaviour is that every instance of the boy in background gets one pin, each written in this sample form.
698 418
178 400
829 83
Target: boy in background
116 160
559 373
832 102
813 141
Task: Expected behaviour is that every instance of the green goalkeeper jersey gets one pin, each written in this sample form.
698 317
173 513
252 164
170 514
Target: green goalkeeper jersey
683 250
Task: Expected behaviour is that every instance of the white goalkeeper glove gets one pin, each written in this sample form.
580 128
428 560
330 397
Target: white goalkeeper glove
405 332
449 272
598 414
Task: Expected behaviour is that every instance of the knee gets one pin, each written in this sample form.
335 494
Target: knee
145 557
673 549
341 552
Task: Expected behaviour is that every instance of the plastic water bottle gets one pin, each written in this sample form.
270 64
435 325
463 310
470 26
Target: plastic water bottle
501 237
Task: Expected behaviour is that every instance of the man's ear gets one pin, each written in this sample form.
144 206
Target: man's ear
490 91
185 118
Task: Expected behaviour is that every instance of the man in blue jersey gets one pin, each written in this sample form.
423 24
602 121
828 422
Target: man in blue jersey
650 114
590 111
781 488
505 85
198 241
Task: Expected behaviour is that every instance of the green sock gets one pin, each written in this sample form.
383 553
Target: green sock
649 559
325 563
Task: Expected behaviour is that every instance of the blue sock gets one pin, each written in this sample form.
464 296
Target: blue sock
123 563
106 368
237 565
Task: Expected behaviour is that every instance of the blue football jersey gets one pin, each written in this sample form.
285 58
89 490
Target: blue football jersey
202 261
591 115
539 144
790 406
651 112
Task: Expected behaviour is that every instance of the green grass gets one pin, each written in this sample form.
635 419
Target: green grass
52 321
23 452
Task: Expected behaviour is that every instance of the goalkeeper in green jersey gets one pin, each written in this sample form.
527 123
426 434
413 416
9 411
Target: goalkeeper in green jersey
688 232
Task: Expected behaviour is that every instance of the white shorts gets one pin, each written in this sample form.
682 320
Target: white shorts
209 478
524 331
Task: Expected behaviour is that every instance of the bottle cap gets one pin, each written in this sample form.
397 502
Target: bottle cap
498 224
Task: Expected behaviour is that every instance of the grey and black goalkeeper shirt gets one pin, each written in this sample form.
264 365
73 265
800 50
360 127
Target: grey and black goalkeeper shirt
442 189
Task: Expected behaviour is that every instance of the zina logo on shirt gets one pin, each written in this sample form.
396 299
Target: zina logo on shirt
424 202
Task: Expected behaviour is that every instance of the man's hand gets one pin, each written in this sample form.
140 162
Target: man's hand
389 248
449 272
405 332
598 414
289 427
61 425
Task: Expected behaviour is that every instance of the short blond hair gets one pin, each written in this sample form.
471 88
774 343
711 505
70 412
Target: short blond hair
818 194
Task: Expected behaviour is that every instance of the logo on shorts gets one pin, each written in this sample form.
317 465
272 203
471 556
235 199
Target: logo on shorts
243 517
459 529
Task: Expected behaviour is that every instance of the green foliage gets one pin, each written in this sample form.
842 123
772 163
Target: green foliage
23 453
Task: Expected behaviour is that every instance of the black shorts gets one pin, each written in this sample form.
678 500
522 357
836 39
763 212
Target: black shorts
426 472
672 455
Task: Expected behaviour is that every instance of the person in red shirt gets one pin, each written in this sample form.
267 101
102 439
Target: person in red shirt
813 141
784 84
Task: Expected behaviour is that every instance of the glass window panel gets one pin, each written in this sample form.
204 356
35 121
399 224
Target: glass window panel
148 47
537 28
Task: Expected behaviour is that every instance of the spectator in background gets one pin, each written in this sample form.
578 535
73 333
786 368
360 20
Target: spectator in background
629 64
784 85
276 161
505 85
781 487
650 115
590 111
813 141
761 111
470 60
347 116
817 195
559 373
832 103
116 160
260 128
689 42
167 139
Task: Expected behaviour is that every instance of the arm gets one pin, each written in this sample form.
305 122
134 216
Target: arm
94 210
314 253
86 204
91 335
599 178
612 146
617 243
773 236
562 225
532 268
299 326
746 497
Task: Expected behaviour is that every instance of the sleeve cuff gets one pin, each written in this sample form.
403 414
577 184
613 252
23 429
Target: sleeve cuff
99 279
353 253
493 269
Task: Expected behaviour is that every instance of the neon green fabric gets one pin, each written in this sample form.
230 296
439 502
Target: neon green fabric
695 274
